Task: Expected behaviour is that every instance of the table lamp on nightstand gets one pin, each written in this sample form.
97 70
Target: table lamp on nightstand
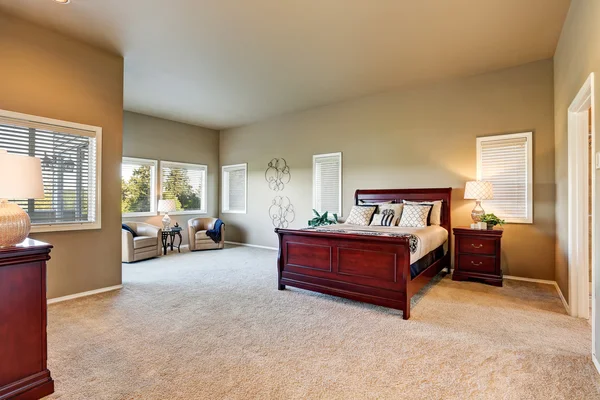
478 190
166 206
20 178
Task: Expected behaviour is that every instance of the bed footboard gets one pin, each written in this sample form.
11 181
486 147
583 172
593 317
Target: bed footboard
374 270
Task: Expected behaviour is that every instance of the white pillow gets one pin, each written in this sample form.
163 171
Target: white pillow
436 212
361 215
414 216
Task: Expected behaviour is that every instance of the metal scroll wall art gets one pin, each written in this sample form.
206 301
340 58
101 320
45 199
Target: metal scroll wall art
282 212
278 175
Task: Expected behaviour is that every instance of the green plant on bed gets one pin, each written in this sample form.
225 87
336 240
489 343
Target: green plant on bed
322 219
491 220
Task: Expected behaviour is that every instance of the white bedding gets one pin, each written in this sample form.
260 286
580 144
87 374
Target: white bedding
429 238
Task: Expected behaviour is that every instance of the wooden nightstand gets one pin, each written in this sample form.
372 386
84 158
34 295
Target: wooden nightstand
477 255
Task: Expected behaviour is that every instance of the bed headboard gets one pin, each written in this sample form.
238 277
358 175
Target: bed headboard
397 195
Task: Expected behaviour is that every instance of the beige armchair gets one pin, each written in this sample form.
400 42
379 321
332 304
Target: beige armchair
147 244
198 240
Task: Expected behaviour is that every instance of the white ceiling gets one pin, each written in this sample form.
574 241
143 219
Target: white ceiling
227 63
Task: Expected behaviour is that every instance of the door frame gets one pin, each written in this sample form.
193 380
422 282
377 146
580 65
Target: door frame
578 131
578 199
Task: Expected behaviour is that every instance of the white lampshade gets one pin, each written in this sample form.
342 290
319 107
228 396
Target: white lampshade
166 206
479 190
20 177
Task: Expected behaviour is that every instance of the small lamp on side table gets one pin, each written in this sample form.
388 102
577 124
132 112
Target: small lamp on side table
478 190
20 178
166 206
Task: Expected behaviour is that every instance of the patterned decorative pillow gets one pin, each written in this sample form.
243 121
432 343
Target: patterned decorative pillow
396 208
361 215
435 218
387 218
414 216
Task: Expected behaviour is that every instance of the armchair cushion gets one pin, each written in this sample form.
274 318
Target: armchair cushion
201 235
144 241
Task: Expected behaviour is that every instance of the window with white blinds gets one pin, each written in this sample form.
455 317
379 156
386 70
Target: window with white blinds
186 184
506 162
70 158
327 183
234 188
138 187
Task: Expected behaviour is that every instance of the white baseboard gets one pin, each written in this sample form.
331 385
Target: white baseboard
545 282
252 245
562 298
542 281
84 294
520 278
596 364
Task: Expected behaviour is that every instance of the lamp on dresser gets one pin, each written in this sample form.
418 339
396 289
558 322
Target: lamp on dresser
20 178
478 190
23 370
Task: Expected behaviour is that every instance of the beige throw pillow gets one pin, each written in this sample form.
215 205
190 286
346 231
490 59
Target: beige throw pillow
436 212
361 215
414 216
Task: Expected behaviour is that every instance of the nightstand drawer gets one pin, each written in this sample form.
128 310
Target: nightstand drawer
475 245
482 264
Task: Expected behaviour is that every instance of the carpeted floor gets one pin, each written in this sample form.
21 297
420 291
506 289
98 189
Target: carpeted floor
211 325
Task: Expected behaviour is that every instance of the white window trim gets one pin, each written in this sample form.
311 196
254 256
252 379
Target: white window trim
153 185
529 137
223 193
204 189
79 226
340 175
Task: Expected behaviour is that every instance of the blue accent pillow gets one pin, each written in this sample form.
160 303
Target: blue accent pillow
128 229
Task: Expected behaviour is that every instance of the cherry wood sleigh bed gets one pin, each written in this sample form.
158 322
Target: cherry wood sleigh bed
371 269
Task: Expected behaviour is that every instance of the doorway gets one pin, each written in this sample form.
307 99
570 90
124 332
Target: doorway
582 235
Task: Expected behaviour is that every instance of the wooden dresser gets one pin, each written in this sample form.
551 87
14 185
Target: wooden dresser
477 255
23 371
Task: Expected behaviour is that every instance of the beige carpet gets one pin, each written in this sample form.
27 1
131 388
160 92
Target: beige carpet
211 325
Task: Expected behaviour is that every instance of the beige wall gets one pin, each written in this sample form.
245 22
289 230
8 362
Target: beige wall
577 55
422 137
160 139
49 75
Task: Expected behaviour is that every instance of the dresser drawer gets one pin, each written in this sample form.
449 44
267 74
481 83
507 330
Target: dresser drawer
483 264
474 245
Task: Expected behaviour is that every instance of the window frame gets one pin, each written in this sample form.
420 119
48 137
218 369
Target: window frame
204 197
529 140
97 131
225 194
153 184
314 180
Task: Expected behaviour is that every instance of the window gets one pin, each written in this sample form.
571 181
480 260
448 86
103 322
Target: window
186 184
327 183
138 187
506 161
70 157
234 188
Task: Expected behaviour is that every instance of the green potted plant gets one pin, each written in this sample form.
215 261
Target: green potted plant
491 220
322 219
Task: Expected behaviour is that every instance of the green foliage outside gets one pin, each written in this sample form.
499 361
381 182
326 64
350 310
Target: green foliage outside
136 192
177 186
